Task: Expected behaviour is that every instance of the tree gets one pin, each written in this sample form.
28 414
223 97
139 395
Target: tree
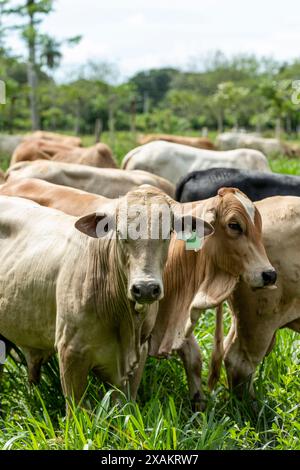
228 98
152 86
41 48
32 11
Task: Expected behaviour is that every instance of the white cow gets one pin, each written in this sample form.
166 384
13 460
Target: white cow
235 140
172 161
8 143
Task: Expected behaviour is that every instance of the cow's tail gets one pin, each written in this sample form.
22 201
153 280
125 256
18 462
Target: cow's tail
218 350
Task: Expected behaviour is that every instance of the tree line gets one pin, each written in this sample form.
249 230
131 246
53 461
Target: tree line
219 92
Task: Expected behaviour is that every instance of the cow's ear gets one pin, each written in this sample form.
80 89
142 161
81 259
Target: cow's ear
95 225
185 226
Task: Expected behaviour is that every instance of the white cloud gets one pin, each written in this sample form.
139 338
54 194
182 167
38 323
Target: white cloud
138 34
137 19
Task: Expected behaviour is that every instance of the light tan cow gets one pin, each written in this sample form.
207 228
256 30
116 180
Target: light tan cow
108 182
198 142
98 155
257 315
55 137
92 296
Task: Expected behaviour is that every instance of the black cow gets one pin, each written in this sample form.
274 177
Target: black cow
256 185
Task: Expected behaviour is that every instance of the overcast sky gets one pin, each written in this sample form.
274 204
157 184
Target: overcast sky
139 34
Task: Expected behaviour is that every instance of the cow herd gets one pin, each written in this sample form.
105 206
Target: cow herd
105 266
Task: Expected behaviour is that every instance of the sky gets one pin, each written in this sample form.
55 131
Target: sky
142 34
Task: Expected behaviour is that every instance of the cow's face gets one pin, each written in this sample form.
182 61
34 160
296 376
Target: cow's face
238 247
142 224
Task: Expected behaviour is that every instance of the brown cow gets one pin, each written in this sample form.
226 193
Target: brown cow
54 137
98 155
198 142
193 280
37 149
69 200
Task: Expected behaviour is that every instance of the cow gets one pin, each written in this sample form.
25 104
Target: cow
198 279
37 149
69 200
87 287
194 280
270 147
256 185
257 315
198 142
98 155
8 143
173 161
108 182
54 137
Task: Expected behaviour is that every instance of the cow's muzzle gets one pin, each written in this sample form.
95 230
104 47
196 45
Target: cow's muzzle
269 277
146 292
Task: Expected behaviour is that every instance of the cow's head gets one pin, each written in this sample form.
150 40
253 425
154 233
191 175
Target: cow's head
141 224
234 251
237 246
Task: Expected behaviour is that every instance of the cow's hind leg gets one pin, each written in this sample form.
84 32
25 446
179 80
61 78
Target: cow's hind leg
34 359
191 358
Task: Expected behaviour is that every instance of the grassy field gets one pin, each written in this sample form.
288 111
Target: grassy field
34 418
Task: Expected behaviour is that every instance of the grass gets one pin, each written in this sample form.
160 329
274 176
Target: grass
34 418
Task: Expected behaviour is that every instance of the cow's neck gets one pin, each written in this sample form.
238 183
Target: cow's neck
107 279
106 282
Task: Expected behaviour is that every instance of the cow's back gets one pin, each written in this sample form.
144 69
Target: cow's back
173 161
256 185
108 182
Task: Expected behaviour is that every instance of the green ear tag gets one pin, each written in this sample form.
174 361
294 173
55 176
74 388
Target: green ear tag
194 242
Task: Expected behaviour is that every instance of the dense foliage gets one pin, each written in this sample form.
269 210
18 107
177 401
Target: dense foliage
242 91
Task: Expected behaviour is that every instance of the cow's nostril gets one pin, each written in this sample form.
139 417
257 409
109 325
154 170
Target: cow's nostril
156 291
136 291
269 277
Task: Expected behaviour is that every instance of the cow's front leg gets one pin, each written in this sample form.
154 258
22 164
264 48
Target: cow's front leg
136 377
74 367
192 361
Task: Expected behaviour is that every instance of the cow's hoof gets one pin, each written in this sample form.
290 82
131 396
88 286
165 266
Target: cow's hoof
198 403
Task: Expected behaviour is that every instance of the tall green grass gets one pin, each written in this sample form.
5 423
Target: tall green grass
34 418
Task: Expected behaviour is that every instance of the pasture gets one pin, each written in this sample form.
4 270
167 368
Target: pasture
34 417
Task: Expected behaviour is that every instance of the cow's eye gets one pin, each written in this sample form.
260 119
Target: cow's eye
236 227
